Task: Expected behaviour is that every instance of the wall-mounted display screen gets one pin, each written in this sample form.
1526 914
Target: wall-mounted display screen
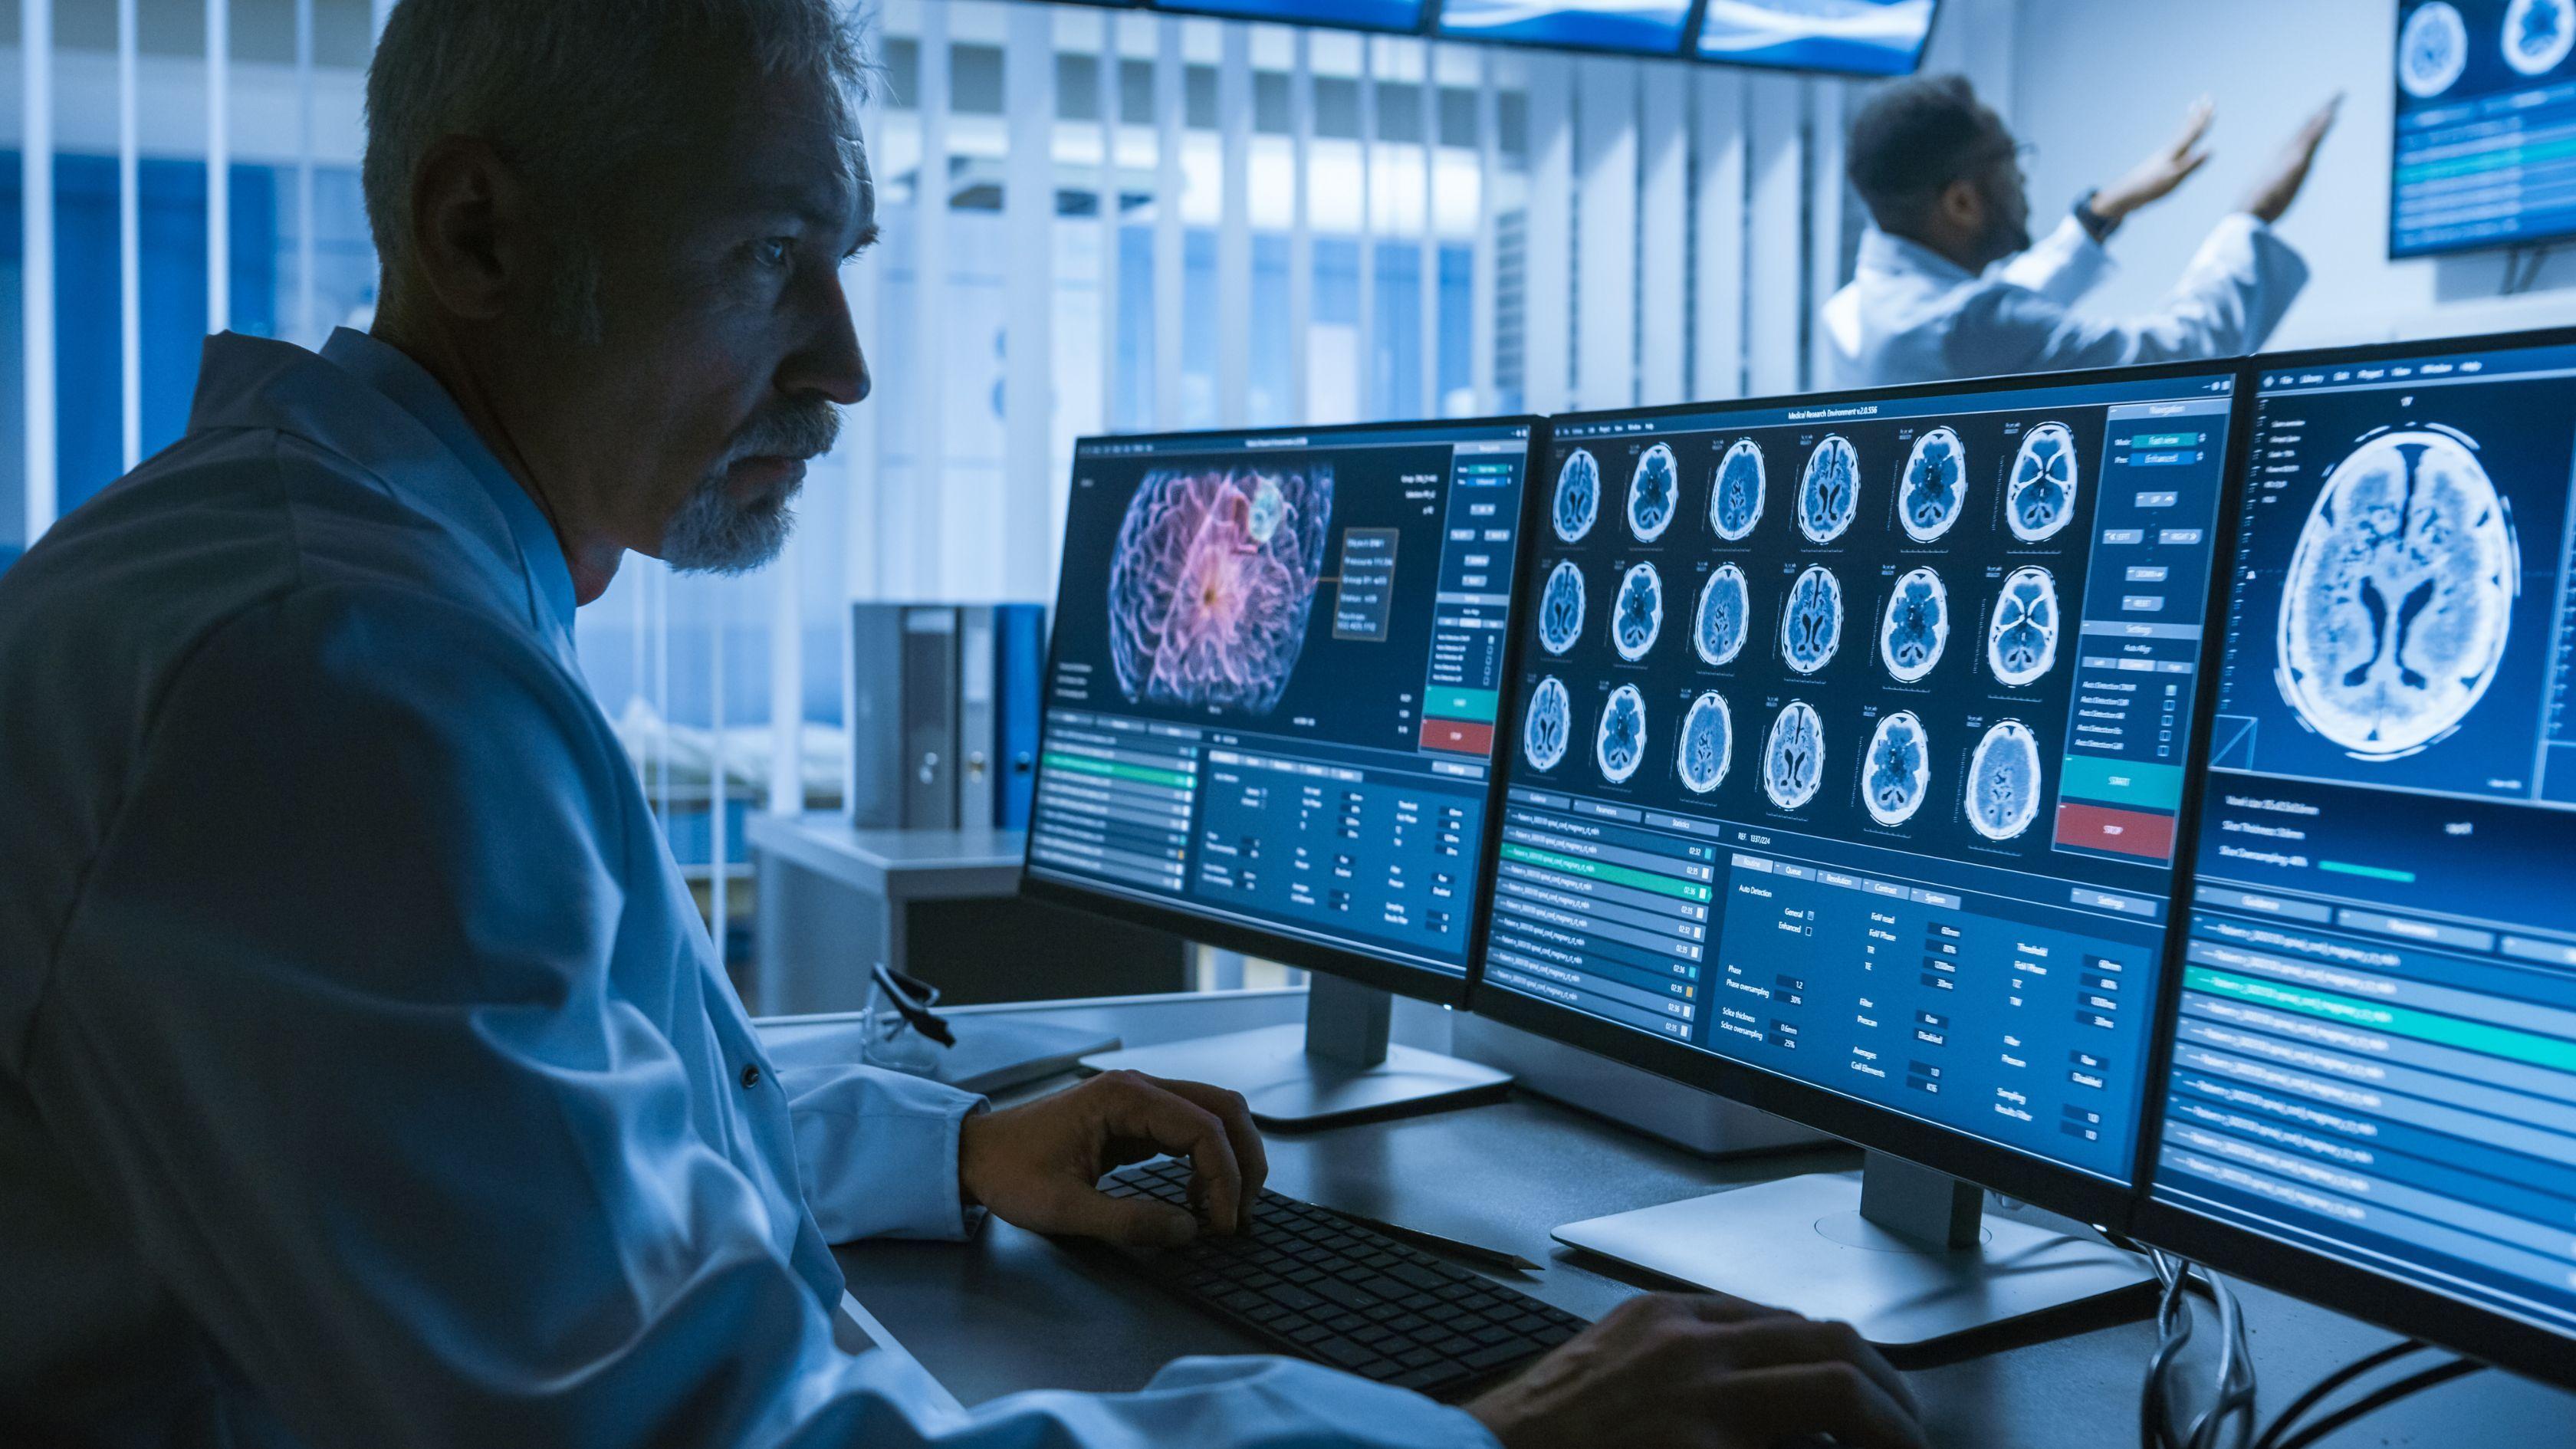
1397 15
1640 27
2486 102
1851 37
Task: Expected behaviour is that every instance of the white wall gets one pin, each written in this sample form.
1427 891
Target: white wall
2097 83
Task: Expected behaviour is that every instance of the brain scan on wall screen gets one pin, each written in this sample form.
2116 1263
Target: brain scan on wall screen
1829 490
1917 626
1935 487
1212 582
1654 494
1639 614
1578 496
1548 725
2021 643
1707 745
1718 628
1897 772
2433 51
1793 758
1621 740
1735 495
1811 625
1560 608
2003 782
2538 34
2399 595
2040 497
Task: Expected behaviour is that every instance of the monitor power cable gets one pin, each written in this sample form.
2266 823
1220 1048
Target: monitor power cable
2228 1422
2285 1432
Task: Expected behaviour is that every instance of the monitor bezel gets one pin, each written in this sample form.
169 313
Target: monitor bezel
2017 1174
2310 1274
1422 983
1699 17
2396 130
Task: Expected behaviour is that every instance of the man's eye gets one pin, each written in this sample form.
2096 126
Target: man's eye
773 251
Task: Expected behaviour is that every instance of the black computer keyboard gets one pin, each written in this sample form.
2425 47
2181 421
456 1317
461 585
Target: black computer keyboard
1321 1286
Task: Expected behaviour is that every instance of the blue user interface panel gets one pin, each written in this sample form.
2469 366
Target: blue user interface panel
1278 660
2375 1056
2486 124
1848 741
1642 27
1397 15
1851 37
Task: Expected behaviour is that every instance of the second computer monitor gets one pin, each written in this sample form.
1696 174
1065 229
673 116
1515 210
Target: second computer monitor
1846 755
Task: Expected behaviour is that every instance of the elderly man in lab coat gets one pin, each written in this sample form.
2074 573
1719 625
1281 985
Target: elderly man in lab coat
366 1075
1950 285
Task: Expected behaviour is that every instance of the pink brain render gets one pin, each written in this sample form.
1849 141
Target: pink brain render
1213 579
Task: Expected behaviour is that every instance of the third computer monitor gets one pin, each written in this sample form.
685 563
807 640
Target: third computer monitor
1846 752
2372 1094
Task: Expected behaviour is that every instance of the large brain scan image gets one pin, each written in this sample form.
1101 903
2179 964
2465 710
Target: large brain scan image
2003 782
1560 608
1578 496
1654 494
1829 491
1718 629
1935 487
2433 51
1621 741
1897 772
1735 496
2021 643
2538 34
2039 499
1707 745
1811 627
2399 595
1917 627
1793 758
1639 614
1212 582
1548 726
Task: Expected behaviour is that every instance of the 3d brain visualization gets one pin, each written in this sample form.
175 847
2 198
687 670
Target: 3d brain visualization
1578 496
1654 494
1707 744
2433 50
2003 781
1560 608
1917 626
2039 499
2399 595
1829 491
2021 643
1620 743
2538 34
1212 582
1935 486
1735 495
1717 629
1548 725
1793 758
1639 614
1811 626
1898 770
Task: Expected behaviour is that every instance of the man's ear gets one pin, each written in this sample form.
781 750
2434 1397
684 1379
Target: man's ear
469 234
1960 209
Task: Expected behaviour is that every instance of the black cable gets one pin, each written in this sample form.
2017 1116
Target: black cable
2283 1422
2432 1377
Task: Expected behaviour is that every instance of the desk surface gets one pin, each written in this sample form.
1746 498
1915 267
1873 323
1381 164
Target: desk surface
1012 1311
822 841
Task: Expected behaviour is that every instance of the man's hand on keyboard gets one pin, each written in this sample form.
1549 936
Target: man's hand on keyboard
1708 1372
1039 1165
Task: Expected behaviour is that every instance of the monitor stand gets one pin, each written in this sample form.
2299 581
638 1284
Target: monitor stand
1901 1252
1337 1067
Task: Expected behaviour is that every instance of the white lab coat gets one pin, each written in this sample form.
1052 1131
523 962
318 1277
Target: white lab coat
366 1074
1913 315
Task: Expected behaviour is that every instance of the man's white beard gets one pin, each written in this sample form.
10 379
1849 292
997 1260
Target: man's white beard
713 534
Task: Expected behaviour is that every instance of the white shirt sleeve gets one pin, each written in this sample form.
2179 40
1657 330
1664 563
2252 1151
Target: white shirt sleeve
338 1035
2062 266
877 1151
2235 291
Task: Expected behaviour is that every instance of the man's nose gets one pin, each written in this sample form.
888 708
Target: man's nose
830 362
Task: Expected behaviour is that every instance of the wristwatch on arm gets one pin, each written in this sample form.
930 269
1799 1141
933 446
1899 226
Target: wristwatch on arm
2095 224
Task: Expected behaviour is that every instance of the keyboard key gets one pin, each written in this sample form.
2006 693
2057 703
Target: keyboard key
1497 1355
1343 1352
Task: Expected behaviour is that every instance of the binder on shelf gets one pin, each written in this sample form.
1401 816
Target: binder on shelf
944 702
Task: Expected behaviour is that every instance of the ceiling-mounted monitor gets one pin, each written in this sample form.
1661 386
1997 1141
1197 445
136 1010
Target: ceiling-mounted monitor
1629 27
1845 37
1404 16
2486 97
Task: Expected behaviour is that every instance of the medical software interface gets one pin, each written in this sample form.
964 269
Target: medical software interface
1278 661
2486 124
1646 27
1860 37
2376 1051
1848 739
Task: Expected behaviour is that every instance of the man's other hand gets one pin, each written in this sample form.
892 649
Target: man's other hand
2167 167
1677 1371
2271 196
1039 1165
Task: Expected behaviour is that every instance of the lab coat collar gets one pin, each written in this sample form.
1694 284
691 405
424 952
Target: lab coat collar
1888 253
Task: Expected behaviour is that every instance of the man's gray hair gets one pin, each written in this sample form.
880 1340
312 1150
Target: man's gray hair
569 92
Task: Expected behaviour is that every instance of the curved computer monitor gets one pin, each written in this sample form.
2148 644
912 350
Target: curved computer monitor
1845 757
2370 1097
